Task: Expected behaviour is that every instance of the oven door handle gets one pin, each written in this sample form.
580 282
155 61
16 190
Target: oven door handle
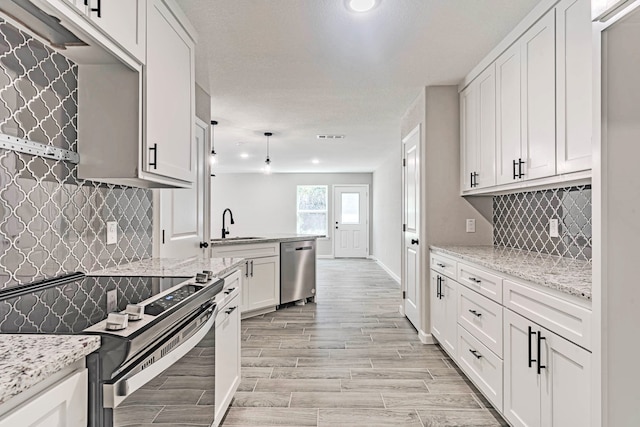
115 393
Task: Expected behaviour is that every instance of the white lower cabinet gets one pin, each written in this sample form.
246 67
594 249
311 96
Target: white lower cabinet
61 405
227 355
444 297
546 378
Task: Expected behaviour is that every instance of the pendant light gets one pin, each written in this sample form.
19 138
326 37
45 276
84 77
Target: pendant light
213 150
267 162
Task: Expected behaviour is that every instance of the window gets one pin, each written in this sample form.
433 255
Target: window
312 208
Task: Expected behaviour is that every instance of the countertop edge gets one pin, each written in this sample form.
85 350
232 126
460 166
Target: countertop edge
38 360
274 239
551 284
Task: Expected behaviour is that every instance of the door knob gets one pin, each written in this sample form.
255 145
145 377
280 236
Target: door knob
415 242
204 245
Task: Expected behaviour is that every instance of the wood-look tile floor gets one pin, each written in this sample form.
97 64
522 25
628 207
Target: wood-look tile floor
350 359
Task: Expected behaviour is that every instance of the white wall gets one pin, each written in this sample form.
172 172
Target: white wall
387 213
266 204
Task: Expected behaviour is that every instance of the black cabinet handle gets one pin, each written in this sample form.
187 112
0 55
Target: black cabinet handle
415 242
475 313
246 269
251 268
540 365
97 9
155 156
530 359
475 353
515 175
231 310
228 291
440 265
439 287
204 245
520 164
474 179
474 280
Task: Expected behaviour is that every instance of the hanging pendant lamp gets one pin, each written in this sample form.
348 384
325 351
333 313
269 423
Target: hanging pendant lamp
213 150
267 162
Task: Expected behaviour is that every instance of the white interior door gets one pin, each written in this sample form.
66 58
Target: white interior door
351 216
410 245
182 211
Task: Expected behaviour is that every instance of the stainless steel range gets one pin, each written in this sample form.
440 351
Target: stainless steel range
156 362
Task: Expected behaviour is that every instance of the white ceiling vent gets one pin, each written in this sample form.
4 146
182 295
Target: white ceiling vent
330 137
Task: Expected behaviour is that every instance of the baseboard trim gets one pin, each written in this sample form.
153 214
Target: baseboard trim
324 256
393 275
425 338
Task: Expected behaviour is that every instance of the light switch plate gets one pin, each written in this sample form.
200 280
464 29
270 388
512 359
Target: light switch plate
553 228
112 232
112 300
471 225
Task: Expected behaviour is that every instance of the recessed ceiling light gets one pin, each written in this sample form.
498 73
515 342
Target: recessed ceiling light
315 161
244 155
361 5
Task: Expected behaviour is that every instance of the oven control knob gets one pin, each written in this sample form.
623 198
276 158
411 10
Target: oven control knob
117 321
201 278
134 312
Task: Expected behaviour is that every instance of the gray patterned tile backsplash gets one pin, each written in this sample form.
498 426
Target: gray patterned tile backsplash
522 221
51 222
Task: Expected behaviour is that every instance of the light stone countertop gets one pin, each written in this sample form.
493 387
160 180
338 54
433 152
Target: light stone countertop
176 267
264 238
566 275
27 359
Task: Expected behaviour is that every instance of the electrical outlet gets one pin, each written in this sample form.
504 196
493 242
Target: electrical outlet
112 232
553 228
112 300
471 225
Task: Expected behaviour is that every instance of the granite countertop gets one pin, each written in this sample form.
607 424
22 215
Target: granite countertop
566 275
27 359
264 238
177 267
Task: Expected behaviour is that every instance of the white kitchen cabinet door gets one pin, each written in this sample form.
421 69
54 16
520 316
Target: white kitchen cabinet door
566 385
573 85
486 153
509 118
522 400
123 21
263 284
227 356
169 96
469 134
538 61
438 317
63 404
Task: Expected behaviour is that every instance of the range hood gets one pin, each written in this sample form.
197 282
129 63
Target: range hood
39 22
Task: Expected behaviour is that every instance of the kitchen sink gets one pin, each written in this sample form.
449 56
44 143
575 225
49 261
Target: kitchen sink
235 238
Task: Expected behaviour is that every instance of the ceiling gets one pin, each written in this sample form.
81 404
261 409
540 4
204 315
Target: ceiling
299 68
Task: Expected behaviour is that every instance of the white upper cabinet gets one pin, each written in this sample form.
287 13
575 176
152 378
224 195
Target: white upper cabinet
509 120
541 107
573 85
478 118
169 96
538 99
122 20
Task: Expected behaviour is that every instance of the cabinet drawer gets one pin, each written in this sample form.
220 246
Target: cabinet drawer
482 366
246 251
481 281
443 265
481 317
566 319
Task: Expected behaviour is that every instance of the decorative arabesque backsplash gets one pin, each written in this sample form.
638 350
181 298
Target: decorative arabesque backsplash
522 221
51 222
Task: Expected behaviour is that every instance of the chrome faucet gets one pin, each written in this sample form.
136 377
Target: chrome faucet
225 229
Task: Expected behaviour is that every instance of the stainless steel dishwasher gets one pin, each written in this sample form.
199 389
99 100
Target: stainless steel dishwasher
297 271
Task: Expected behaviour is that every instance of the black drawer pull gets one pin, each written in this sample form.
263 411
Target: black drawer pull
228 291
474 280
97 9
231 310
415 242
475 313
475 353
440 265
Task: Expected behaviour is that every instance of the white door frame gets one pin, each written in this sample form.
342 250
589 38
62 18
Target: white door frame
367 214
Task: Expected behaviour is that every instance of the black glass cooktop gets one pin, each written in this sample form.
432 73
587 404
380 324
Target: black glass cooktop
76 304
